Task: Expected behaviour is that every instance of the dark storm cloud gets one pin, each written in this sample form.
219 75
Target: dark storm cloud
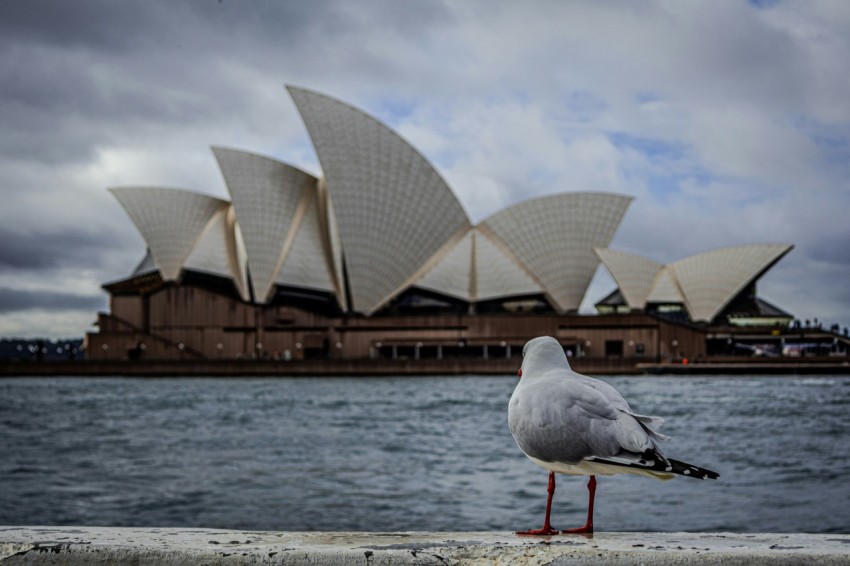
40 252
84 73
101 25
14 300
209 28
125 27
74 74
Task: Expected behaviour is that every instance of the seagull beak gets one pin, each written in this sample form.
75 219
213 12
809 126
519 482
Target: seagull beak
519 373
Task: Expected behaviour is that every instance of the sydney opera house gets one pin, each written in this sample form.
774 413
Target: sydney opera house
376 258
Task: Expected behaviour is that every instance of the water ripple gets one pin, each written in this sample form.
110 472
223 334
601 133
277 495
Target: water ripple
405 454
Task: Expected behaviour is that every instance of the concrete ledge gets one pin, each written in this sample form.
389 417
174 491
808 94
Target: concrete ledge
111 545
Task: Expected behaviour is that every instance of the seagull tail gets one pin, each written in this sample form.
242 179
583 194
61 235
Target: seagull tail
650 425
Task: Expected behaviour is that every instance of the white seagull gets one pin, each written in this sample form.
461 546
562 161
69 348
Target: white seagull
572 424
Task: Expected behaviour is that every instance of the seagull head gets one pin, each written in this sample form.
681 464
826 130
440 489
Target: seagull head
542 354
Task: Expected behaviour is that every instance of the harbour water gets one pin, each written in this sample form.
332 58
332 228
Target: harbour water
407 453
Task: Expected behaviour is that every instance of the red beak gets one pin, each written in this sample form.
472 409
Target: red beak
519 373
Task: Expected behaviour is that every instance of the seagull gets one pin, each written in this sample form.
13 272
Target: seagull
572 424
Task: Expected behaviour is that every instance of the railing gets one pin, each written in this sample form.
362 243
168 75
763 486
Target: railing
155 337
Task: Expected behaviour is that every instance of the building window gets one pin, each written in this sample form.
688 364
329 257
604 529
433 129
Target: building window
613 347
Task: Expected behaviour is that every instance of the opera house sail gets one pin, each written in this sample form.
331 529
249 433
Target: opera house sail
377 252
703 284
394 212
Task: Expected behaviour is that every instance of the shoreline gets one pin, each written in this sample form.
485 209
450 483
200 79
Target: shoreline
378 368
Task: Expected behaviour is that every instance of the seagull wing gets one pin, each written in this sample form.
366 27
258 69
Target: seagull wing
650 423
561 419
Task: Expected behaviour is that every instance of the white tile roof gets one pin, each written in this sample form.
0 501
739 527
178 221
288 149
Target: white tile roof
452 274
554 237
711 279
305 264
665 289
146 265
219 253
267 196
170 220
332 242
498 272
392 209
705 283
382 215
634 274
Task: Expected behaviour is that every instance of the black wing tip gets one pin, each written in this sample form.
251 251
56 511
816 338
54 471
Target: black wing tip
691 471
652 461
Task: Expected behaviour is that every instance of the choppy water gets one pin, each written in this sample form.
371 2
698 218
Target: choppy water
406 454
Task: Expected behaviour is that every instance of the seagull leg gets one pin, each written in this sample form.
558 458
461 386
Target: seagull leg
547 528
588 527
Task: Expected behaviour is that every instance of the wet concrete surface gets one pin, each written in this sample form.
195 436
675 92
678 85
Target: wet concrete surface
114 545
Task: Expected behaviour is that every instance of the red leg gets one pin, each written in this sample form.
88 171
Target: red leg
547 528
588 527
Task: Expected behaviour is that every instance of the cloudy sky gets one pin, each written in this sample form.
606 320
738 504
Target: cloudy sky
728 121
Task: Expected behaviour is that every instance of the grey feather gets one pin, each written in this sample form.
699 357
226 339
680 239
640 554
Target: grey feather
557 415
